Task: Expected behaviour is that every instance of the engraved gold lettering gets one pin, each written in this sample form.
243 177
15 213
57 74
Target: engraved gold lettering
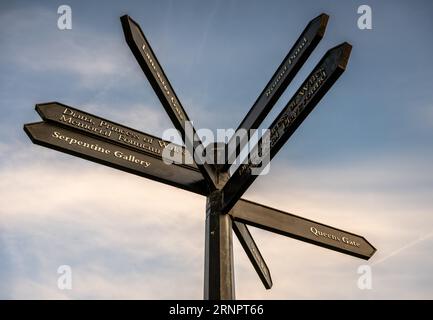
73 141
344 239
77 115
163 85
131 158
283 72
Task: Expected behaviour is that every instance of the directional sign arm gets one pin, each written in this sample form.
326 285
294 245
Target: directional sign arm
306 230
89 124
320 80
93 148
148 62
70 117
294 60
253 253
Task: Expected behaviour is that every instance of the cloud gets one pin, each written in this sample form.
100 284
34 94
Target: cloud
379 198
128 237
98 221
93 57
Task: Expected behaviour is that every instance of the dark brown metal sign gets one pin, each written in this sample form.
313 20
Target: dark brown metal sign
98 150
294 60
124 136
320 80
253 253
302 229
148 62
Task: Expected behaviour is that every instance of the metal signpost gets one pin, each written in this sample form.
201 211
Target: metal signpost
67 129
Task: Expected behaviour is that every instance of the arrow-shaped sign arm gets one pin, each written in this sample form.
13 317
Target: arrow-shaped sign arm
103 151
253 253
292 63
320 80
299 228
148 62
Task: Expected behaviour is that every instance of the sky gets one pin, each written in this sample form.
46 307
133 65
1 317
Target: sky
361 162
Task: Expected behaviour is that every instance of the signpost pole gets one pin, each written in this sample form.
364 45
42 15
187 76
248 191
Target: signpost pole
219 271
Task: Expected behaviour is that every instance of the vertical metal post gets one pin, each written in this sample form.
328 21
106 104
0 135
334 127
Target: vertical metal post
219 272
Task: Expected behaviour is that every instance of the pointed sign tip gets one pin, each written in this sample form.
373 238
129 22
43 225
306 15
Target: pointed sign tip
28 129
269 285
44 103
373 251
50 103
322 21
45 108
346 50
342 51
324 18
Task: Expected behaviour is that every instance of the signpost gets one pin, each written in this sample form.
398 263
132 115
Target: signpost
90 137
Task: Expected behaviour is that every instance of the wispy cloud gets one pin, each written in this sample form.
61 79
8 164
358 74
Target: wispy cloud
117 224
91 56
127 237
